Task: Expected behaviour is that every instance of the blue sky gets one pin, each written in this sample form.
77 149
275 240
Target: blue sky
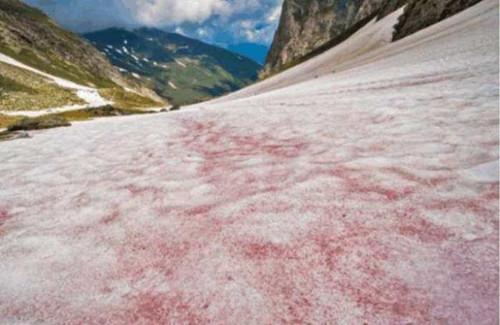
215 21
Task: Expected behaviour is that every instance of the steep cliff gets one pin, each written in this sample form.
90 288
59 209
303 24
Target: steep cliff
306 25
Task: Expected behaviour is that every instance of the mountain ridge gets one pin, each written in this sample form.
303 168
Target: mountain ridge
181 69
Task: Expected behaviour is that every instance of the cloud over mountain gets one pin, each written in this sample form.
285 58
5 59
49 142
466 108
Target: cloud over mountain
161 12
213 20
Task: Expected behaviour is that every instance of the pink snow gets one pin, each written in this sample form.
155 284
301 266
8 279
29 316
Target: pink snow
365 196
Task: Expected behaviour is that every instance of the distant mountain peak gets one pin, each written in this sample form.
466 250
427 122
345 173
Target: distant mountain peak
179 68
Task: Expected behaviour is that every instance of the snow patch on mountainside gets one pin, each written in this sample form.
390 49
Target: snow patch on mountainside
88 94
180 63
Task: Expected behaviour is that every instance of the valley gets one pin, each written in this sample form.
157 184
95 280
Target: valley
181 69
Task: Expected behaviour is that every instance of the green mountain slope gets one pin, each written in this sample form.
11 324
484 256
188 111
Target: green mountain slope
21 90
32 38
178 68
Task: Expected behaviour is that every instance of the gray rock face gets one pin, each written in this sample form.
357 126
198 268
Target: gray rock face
306 25
421 14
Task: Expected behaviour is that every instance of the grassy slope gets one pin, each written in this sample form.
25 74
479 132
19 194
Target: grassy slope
6 120
29 36
69 116
195 82
24 90
13 13
205 71
128 100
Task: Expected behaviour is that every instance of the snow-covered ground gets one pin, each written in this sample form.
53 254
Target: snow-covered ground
171 84
90 95
373 36
365 196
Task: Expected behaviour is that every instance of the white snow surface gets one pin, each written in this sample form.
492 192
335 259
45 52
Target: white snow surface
180 63
89 95
351 53
369 195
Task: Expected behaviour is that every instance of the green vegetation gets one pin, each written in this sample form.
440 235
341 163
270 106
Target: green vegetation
16 8
104 111
20 123
199 80
6 120
31 37
15 95
24 90
128 100
38 123
56 67
10 85
178 68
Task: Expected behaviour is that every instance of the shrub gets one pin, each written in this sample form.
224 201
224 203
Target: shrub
38 123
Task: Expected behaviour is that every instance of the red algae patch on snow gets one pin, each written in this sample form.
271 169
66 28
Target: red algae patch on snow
4 216
304 205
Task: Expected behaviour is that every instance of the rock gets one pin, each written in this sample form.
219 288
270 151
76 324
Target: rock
307 25
43 122
6 135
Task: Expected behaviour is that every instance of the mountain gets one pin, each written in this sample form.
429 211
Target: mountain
256 52
43 65
306 25
179 68
365 196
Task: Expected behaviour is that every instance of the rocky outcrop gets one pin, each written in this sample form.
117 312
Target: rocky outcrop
421 14
306 25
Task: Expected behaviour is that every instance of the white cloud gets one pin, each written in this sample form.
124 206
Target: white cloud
171 12
224 21
180 30
275 14
204 32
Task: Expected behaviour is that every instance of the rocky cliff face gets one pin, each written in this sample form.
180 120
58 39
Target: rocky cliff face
306 25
